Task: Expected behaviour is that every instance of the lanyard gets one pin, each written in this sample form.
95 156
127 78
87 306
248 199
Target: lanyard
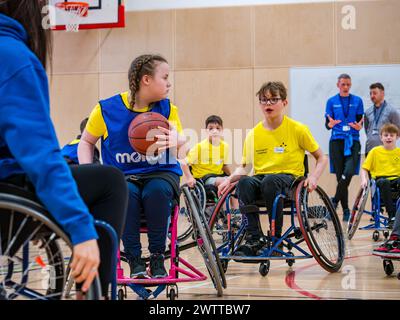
343 108
377 114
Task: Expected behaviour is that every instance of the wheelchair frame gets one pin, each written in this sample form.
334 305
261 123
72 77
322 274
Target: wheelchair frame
379 223
199 229
299 233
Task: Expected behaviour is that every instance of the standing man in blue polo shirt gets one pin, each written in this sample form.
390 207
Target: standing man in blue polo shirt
344 116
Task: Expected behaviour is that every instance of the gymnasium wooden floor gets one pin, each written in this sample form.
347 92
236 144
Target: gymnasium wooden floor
361 277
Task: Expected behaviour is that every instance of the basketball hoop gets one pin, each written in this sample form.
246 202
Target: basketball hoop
75 11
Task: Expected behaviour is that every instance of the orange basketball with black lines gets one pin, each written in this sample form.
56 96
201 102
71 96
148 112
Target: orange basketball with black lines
143 129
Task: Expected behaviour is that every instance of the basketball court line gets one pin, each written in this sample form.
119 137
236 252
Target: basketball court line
307 292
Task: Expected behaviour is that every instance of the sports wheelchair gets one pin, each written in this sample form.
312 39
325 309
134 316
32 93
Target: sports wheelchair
202 238
34 251
207 196
379 221
312 220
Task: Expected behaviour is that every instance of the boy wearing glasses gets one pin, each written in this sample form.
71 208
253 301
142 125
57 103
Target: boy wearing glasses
275 149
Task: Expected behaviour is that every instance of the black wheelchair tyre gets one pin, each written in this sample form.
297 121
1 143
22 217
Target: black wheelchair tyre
201 195
211 240
311 232
205 249
357 211
40 233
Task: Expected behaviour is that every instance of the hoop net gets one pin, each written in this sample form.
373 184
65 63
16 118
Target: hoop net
74 11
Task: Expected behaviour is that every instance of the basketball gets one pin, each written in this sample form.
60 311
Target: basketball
143 129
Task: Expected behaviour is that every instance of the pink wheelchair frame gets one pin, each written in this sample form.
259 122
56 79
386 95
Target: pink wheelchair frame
139 286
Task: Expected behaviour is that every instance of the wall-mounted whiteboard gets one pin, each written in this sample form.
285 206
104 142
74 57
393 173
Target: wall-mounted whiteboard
310 88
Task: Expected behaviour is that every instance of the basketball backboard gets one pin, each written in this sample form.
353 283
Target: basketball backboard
100 14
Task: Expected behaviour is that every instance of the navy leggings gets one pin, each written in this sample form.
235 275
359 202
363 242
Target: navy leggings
154 199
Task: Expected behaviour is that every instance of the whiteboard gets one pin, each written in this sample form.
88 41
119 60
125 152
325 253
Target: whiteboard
310 88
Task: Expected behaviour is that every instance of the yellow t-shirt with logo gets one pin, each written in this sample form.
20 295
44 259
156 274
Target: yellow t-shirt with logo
206 158
383 163
97 127
280 150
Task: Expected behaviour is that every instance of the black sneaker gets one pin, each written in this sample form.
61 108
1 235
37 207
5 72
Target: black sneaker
251 247
138 267
157 269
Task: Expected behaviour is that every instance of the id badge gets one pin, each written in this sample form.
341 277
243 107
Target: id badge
346 128
279 150
375 132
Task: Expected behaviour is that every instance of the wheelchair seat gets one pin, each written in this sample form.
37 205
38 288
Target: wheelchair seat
289 195
25 197
8 188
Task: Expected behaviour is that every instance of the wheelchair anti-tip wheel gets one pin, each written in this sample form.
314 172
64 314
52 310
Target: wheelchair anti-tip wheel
264 268
388 267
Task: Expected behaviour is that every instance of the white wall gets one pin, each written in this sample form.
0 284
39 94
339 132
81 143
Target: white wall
310 88
142 5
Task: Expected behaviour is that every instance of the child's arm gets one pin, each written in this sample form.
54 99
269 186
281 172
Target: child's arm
313 178
86 147
239 172
364 177
187 175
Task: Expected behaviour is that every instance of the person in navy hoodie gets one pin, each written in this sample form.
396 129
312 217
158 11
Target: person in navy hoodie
30 154
344 116
70 150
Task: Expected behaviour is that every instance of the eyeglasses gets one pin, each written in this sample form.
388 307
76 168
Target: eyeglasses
272 101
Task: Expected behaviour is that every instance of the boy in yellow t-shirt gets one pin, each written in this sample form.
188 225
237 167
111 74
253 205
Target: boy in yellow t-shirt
208 159
383 163
275 148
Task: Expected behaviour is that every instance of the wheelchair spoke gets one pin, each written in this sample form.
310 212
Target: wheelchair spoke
16 236
322 230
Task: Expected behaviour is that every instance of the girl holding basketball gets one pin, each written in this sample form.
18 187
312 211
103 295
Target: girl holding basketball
153 181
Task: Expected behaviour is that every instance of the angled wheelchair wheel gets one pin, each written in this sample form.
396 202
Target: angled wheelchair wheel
321 227
221 224
214 250
185 228
205 243
357 211
201 195
34 252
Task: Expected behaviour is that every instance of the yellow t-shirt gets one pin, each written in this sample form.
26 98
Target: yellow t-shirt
206 158
280 150
383 163
75 141
97 127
